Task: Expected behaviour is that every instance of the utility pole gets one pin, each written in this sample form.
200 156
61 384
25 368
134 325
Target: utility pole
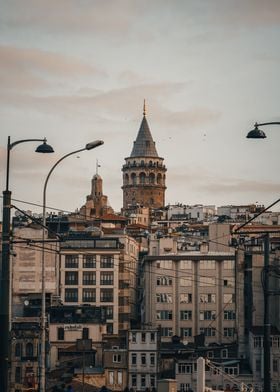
266 320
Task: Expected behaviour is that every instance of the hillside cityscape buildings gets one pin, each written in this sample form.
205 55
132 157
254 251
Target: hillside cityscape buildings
138 296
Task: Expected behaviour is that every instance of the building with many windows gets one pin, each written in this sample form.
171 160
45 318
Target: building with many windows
101 271
143 358
190 293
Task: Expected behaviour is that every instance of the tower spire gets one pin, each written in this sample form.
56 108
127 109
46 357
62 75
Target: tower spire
144 108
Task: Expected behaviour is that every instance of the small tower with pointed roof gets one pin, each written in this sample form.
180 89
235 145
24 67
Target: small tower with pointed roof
144 172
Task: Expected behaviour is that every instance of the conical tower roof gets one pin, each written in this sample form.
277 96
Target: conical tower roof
144 146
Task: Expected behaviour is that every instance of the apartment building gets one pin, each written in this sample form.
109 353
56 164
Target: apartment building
190 293
101 271
143 348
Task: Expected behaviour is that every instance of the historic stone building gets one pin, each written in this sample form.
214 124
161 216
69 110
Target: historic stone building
97 203
144 172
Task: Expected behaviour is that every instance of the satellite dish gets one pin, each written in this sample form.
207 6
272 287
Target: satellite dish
26 302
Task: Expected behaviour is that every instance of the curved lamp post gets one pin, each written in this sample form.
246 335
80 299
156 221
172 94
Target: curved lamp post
257 133
88 146
5 273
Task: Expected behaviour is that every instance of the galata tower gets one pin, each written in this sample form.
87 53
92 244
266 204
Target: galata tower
144 172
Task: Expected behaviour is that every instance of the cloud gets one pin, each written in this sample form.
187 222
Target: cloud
26 69
119 104
71 16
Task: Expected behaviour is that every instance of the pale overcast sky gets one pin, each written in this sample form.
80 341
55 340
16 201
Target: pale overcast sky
78 70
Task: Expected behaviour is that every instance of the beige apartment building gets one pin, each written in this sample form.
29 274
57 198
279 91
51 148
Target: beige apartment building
190 293
101 271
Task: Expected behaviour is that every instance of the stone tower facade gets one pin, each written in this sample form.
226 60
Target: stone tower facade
144 172
96 204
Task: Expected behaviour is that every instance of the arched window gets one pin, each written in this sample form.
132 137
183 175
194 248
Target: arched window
29 350
18 350
159 178
126 179
133 178
151 178
142 178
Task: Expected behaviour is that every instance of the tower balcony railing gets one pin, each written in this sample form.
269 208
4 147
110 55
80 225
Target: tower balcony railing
146 165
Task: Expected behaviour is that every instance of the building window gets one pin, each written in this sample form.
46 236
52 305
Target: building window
133 359
165 332
153 380
107 261
89 261
164 298
152 359
185 315
229 282
109 328
18 350
71 261
208 331
224 353
111 378
29 350
207 315
18 375
275 365
185 298
229 315
143 380
229 332
133 337
107 278
71 295
134 380
117 358
107 312
85 333
231 370
89 295
164 315
60 333
120 377
207 298
186 332
143 359
71 278
106 295
258 342
229 298
143 337
185 368
153 337
164 281
89 278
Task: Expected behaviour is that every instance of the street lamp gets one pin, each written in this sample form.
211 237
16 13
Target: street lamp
88 146
257 133
5 273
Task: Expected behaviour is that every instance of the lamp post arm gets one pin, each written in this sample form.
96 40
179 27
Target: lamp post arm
9 147
50 172
267 123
